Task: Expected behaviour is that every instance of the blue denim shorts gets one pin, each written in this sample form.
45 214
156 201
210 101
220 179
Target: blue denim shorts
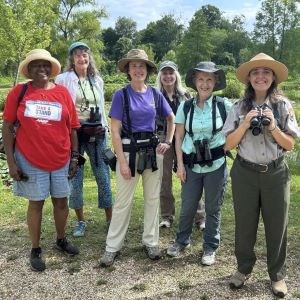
41 183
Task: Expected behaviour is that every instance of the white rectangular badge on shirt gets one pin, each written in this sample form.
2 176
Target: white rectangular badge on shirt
43 110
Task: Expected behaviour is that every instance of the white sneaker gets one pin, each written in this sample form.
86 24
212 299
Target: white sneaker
208 258
165 223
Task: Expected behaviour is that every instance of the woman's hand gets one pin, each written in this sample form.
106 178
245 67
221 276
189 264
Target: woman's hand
162 148
247 121
72 168
181 173
15 172
267 112
125 170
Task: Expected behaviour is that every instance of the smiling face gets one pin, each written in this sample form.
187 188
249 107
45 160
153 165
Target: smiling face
81 59
39 70
137 70
261 79
168 77
205 83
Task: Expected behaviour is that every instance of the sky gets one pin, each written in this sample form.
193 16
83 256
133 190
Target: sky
145 11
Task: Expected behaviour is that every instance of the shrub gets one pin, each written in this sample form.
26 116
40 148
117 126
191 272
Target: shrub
233 90
3 94
109 90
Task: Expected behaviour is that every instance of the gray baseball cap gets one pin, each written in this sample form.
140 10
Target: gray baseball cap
168 64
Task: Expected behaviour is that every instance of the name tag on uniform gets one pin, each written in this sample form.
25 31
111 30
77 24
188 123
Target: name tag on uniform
43 110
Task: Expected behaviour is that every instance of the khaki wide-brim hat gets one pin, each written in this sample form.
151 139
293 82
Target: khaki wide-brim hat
135 54
38 54
262 60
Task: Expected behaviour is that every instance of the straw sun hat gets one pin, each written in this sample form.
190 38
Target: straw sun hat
38 54
262 60
135 54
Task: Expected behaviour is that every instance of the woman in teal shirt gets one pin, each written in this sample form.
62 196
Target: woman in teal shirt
201 157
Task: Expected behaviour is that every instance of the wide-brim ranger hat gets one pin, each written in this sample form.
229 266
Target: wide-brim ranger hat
207 67
168 64
262 60
135 54
39 54
77 45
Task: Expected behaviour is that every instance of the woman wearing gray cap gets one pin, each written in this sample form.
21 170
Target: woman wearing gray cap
169 83
86 88
201 157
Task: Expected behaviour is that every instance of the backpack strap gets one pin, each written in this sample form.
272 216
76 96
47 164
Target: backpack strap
218 101
188 106
126 108
22 93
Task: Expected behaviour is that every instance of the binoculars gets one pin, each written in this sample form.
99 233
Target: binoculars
259 121
203 153
146 160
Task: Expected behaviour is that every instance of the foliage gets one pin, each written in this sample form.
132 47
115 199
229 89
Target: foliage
109 90
233 90
73 25
28 24
196 44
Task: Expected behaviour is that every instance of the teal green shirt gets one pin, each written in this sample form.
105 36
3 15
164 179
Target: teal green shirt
202 129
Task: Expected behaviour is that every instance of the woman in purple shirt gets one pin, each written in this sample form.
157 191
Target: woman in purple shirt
133 112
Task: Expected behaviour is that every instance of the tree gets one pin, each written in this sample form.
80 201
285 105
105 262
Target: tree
162 35
24 25
125 27
273 20
196 45
74 24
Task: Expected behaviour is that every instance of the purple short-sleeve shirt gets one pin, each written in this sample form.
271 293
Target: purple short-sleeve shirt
142 109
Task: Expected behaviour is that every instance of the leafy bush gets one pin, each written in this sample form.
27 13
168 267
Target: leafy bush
109 90
233 90
3 93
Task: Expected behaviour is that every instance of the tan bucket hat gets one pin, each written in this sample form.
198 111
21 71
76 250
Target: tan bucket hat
37 54
262 60
135 54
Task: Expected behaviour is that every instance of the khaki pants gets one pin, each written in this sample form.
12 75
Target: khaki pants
167 200
123 205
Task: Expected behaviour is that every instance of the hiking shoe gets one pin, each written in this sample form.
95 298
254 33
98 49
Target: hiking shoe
237 280
279 288
200 225
67 247
175 249
165 223
208 258
79 229
108 258
153 252
36 261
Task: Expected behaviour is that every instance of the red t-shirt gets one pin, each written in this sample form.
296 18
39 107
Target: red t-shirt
46 118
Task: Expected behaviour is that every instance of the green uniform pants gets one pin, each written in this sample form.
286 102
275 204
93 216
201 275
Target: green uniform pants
269 193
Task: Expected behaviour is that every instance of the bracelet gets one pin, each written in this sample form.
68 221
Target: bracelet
74 159
273 128
74 154
168 143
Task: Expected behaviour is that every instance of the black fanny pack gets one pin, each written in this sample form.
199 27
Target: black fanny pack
90 132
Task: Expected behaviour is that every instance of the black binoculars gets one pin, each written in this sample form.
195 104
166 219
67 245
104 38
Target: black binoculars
259 121
146 160
203 153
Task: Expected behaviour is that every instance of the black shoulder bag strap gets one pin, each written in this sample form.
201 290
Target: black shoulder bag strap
132 152
155 97
22 93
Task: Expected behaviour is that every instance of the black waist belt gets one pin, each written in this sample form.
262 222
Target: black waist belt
191 159
138 135
261 168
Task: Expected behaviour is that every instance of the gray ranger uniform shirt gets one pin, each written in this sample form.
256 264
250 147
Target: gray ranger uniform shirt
262 149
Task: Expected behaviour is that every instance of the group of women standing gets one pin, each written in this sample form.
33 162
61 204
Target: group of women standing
261 126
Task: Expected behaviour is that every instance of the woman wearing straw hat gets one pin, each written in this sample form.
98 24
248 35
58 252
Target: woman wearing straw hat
168 81
45 151
262 126
201 158
86 88
139 153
